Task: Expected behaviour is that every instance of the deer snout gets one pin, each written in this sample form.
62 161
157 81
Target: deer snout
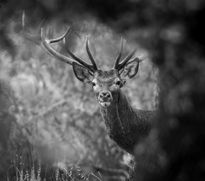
105 96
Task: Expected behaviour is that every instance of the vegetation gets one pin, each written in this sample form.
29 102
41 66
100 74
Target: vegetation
56 120
50 120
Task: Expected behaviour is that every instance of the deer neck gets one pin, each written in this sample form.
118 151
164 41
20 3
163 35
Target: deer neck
119 118
116 114
125 125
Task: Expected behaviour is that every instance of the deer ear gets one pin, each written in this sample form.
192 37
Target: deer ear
130 69
82 73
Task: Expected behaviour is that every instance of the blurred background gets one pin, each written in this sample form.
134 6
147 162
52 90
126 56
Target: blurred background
50 124
54 119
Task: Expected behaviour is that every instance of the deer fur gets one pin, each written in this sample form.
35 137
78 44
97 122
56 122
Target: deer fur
126 125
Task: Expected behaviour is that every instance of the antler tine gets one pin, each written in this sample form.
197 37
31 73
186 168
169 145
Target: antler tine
120 53
79 60
125 60
46 44
90 54
61 37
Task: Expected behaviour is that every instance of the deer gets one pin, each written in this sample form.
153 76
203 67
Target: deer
125 125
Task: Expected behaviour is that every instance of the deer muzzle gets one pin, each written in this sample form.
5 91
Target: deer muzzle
105 98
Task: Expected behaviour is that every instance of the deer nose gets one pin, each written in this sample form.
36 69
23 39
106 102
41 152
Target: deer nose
105 95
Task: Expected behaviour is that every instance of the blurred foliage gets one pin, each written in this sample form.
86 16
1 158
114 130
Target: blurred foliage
57 119
172 33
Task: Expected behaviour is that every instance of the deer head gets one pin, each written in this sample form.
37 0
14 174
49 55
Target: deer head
106 84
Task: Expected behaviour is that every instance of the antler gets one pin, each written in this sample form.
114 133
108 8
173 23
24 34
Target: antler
92 67
90 54
47 45
125 60
120 65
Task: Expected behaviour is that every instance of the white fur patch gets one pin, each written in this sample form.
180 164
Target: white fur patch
105 104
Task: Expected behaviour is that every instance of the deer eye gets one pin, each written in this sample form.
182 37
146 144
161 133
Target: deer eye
93 84
118 82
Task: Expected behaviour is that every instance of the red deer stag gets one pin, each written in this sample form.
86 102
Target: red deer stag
125 125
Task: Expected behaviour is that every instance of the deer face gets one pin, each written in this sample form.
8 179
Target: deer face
106 84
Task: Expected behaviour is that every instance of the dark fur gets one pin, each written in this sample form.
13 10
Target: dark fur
125 125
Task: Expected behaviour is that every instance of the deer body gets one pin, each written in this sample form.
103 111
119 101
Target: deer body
125 125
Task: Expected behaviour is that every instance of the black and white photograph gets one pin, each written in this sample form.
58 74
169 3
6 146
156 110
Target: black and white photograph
102 90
